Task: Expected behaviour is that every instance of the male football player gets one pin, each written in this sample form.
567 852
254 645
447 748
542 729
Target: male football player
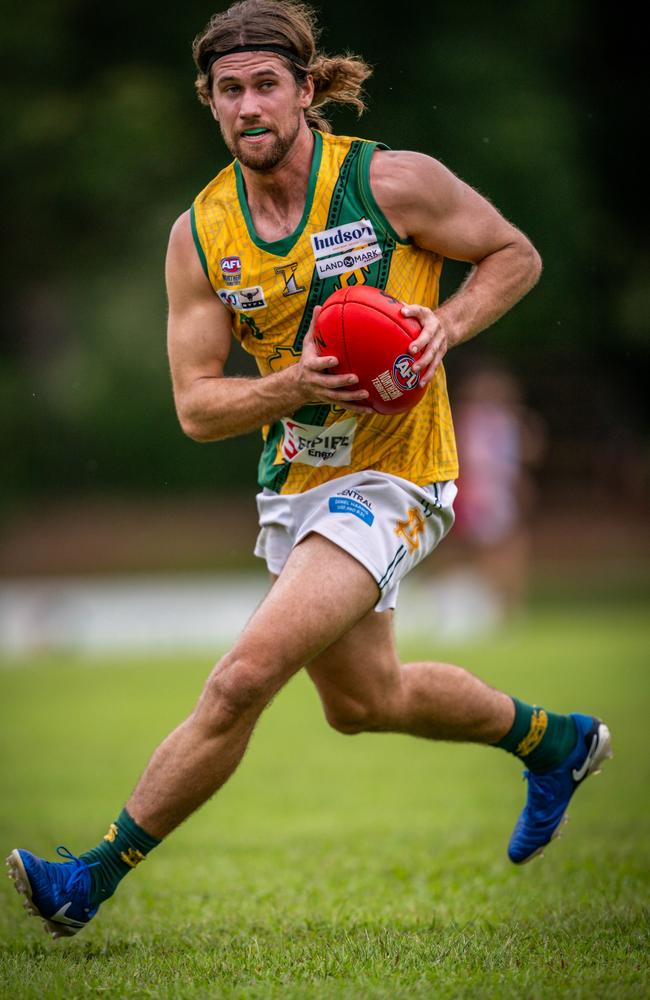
350 500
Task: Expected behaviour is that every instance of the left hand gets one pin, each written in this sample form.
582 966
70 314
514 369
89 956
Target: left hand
431 344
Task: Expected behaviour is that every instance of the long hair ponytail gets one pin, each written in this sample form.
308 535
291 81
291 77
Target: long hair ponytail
294 27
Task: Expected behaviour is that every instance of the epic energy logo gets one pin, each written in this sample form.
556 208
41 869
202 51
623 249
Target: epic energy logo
315 445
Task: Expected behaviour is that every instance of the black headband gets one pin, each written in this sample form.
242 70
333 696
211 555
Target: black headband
209 59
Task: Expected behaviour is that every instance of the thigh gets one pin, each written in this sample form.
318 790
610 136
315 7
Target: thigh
360 668
321 594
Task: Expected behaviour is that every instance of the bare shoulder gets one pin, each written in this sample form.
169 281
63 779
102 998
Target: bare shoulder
181 239
400 167
404 180
426 202
183 269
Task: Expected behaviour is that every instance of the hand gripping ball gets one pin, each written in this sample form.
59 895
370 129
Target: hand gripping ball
364 328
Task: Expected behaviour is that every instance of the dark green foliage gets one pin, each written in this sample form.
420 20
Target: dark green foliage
105 145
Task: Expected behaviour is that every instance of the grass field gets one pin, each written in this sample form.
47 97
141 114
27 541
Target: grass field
332 866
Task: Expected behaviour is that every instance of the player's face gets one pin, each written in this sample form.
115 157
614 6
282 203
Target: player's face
259 107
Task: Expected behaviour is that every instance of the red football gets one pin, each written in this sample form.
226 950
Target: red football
364 328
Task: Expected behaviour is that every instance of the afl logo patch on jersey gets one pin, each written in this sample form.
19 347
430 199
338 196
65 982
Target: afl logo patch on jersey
403 373
231 270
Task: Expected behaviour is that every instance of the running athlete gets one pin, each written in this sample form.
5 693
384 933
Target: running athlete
350 500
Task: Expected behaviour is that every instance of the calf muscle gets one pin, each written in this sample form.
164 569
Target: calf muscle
297 620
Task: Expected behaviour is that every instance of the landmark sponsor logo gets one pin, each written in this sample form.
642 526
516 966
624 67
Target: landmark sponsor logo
345 262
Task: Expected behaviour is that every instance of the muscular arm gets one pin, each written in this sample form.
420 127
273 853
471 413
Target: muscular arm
210 405
426 202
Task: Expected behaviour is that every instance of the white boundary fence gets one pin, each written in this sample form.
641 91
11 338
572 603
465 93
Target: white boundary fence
200 612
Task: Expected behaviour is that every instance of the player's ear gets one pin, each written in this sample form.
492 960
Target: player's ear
306 91
213 110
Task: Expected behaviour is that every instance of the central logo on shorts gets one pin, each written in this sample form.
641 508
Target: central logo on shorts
403 372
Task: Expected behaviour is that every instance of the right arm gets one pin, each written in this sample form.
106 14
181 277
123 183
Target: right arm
209 405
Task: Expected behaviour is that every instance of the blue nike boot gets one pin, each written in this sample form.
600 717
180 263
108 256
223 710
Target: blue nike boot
549 792
58 892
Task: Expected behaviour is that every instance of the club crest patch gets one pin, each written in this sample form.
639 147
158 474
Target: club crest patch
243 298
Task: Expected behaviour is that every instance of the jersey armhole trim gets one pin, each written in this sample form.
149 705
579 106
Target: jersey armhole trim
197 243
368 198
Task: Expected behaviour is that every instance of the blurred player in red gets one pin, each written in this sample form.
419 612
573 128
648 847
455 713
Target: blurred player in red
500 442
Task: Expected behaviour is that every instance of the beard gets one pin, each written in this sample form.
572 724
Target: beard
258 158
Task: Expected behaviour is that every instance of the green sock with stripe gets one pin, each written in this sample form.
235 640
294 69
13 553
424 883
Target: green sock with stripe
122 849
541 739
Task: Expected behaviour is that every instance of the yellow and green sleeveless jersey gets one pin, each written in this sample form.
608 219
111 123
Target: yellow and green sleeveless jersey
271 290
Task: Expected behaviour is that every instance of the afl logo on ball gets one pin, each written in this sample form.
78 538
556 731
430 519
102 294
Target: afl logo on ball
403 373
231 270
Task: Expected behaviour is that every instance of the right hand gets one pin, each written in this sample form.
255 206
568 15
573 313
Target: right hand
315 383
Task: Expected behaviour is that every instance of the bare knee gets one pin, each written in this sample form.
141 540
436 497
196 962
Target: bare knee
351 716
237 690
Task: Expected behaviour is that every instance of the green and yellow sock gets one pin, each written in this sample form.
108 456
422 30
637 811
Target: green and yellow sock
541 739
123 848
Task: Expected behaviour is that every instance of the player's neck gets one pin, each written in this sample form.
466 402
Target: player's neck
276 198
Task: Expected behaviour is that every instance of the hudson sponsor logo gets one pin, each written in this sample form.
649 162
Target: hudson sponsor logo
342 238
231 270
345 248
244 298
403 373
315 445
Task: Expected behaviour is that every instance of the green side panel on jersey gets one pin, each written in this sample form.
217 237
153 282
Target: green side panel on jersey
268 474
374 212
352 199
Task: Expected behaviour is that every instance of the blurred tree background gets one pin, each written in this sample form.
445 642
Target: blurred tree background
104 145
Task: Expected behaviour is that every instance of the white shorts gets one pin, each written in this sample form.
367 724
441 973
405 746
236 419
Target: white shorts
388 524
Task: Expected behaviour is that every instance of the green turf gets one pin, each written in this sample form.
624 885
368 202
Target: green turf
332 866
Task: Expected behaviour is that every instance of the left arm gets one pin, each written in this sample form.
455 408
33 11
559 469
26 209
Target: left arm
423 200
